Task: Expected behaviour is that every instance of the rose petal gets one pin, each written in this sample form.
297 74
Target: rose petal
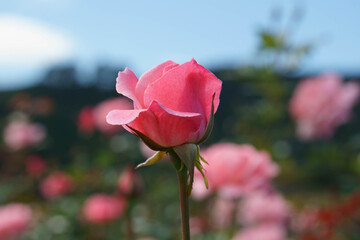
186 88
151 76
122 117
166 127
126 84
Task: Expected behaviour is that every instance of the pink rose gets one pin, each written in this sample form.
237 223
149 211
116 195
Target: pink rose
321 104
255 208
222 212
103 108
172 103
102 208
56 185
85 120
262 232
35 165
15 218
129 183
198 225
21 134
234 170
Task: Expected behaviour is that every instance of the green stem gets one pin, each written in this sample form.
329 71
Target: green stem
182 176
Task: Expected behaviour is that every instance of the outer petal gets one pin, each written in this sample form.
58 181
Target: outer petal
126 84
151 76
122 117
186 88
166 127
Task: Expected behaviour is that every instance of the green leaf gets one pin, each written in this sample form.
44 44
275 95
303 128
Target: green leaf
153 159
188 155
210 125
150 143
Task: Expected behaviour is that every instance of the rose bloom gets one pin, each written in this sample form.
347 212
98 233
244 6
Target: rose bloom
103 108
172 103
15 218
222 212
102 208
198 225
56 185
320 104
35 165
255 208
234 170
85 120
262 232
21 134
130 183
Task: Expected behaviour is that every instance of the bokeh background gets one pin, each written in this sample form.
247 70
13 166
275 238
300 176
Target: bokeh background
58 65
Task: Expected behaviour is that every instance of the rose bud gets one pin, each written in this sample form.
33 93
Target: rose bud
130 183
85 120
35 165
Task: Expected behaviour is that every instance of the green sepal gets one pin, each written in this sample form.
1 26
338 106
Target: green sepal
150 143
202 159
210 124
153 159
200 168
188 154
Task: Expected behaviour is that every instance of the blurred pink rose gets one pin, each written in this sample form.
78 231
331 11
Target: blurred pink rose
262 232
35 165
198 225
57 184
320 104
20 134
85 120
103 108
172 102
263 207
130 183
234 170
222 212
15 218
102 208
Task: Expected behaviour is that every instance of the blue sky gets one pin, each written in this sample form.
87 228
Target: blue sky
142 34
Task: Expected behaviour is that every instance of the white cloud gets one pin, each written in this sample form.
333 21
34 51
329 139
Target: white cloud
29 42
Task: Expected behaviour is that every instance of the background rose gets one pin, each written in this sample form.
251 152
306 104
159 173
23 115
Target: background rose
15 218
234 170
35 165
57 184
103 108
320 104
172 102
102 208
20 134
262 232
255 208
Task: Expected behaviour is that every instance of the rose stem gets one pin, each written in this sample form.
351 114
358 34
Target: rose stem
184 200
